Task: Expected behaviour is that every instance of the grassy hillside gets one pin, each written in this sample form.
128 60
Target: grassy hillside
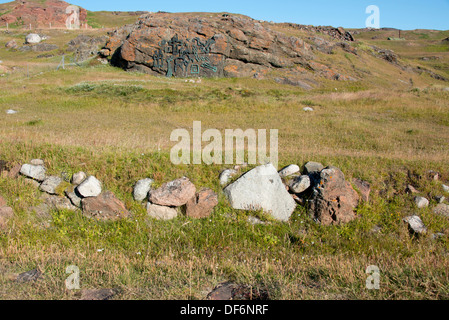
389 128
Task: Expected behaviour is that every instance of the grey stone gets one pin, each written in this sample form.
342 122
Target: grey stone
37 162
261 189
415 224
73 197
90 187
33 172
33 38
421 202
289 170
78 178
442 210
312 167
28 276
97 294
437 235
445 188
226 175
300 184
308 109
142 188
50 184
161 212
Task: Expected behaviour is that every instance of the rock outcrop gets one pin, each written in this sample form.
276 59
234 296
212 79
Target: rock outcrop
42 14
214 46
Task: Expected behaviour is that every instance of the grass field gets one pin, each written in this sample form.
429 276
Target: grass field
116 126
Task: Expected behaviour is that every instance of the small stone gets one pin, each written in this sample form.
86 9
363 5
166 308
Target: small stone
142 188
415 224
90 187
312 167
300 184
202 204
11 111
433 175
411 189
59 203
174 193
308 109
104 207
445 188
33 38
437 235
2 202
6 213
255 221
289 170
440 199
14 172
32 182
28 276
74 198
78 178
37 162
97 294
226 175
161 212
364 189
421 202
33 172
442 210
50 184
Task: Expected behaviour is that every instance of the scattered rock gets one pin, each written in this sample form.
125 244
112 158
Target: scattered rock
298 200
59 203
333 198
142 188
50 184
74 198
437 235
255 221
421 202
104 207
37 162
364 188
34 172
14 171
442 210
2 202
312 167
11 44
433 175
411 189
85 47
28 276
44 47
261 188
202 204
78 178
161 212
97 294
233 291
289 170
10 111
300 184
415 224
226 176
174 193
376 229
90 187
33 182
445 188
308 109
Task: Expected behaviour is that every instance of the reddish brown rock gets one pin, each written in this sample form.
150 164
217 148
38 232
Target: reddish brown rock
174 193
333 198
40 14
202 204
14 171
104 207
364 189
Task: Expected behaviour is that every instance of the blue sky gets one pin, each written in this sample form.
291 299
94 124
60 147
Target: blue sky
402 14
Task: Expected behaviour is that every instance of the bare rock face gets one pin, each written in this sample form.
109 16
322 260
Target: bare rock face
333 198
202 204
213 46
40 14
174 193
104 207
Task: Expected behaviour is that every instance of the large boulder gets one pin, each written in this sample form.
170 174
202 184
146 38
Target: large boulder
33 38
174 193
90 187
333 199
261 189
104 207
